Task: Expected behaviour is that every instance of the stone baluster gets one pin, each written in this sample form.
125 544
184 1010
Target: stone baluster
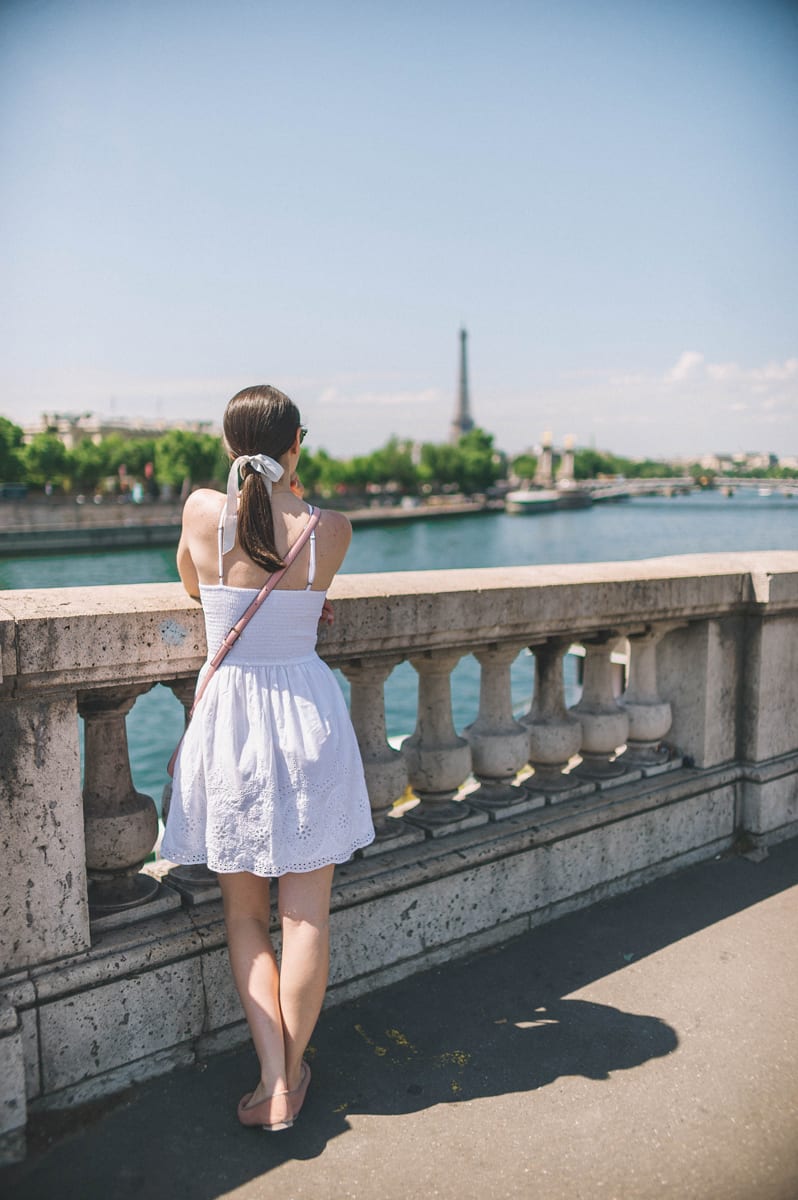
650 716
499 744
121 824
605 725
554 734
438 761
193 880
385 769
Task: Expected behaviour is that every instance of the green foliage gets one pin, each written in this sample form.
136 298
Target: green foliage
320 473
11 468
392 464
472 465
525 466
589 464
479 466
88 465
131 453
772 472
390 467
180 456
438 464
45 460
400 466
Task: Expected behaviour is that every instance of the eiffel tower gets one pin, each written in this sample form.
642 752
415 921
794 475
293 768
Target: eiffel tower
463 421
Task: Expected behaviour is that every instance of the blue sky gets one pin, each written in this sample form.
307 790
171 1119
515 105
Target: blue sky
197 196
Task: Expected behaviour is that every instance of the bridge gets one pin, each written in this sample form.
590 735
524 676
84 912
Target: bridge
623 489
113 965
763 485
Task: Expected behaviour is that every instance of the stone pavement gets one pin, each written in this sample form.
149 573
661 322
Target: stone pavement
646 1047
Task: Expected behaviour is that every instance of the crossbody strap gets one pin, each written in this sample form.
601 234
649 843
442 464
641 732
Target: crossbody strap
235 633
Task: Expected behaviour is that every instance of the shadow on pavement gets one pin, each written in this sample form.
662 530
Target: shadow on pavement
496 1024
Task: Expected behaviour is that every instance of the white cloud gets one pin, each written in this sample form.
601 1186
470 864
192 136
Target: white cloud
692 365
724 372
377 399
688 366
692 407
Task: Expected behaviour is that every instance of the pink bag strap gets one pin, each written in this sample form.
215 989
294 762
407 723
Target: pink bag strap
235 633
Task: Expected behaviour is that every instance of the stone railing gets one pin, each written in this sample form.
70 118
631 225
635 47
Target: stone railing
561 805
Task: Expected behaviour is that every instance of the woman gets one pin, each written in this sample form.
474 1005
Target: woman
268 782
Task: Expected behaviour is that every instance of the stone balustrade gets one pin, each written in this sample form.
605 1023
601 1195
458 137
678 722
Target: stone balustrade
517 817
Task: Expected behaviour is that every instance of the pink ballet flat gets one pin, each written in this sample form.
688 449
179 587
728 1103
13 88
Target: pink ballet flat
297 1096
272 1114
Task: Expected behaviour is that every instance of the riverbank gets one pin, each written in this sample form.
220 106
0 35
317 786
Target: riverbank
53 527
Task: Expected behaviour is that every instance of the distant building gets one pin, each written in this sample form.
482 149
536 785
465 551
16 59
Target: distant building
73 428
463 422
761 462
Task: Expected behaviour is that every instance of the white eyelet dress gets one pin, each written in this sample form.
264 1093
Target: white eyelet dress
269 777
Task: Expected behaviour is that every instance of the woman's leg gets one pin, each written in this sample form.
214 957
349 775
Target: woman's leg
304 901
254 967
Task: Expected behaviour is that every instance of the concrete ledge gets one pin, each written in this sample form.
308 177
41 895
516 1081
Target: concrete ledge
391 916
93 637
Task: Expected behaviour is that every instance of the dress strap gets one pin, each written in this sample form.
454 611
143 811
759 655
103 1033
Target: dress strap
312 562
220 535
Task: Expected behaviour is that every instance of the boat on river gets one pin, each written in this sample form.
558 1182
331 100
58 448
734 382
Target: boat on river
540 500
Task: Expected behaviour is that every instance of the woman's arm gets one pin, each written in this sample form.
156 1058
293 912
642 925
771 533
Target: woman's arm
200 516
186 569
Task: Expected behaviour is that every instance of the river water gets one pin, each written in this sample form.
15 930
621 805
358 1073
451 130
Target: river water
635 529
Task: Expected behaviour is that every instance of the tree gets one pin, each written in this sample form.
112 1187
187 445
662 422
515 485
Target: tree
588 464
87 464
438 464
480 466
180 455
525 466
321 473
391 464
45 460
10 451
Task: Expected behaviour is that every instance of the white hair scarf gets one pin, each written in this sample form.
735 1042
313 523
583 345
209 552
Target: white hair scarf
267 467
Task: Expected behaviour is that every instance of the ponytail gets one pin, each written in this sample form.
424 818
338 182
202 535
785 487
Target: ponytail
256 522
259 420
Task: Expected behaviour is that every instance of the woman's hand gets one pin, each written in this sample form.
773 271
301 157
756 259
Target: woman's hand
327 614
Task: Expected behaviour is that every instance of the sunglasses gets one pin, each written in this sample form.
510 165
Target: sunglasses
303 433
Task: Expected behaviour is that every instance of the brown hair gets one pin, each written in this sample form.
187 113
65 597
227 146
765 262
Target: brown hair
259 420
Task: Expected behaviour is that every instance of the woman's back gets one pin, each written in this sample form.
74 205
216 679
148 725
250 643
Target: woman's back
198 554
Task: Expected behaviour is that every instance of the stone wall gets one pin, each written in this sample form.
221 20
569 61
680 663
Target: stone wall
110 972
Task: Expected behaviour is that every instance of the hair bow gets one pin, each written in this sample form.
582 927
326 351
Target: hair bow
267 467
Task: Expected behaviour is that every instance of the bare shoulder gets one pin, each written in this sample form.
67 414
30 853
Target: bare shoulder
200 505
336 525
335 534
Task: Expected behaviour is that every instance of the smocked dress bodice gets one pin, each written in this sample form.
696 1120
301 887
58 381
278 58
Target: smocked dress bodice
283 630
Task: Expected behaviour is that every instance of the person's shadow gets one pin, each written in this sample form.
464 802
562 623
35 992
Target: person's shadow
389 1063
431 1040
